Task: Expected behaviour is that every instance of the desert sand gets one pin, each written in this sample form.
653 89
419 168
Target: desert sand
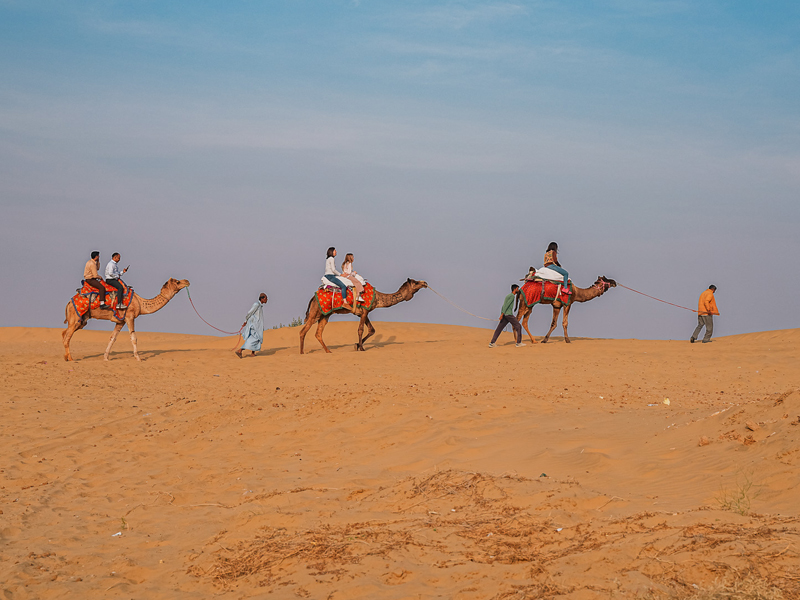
430 466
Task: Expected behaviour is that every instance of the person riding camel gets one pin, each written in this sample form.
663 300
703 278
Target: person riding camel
114 275
332 275
90 277
551 262
351 275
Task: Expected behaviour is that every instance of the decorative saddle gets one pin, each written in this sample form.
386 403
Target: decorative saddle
88 298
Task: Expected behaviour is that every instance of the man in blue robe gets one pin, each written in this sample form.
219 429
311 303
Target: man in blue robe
253 327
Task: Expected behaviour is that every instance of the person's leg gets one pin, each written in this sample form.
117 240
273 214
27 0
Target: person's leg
709 321
98 285
561 271
117 286
500 327
336 281
698 329
516 326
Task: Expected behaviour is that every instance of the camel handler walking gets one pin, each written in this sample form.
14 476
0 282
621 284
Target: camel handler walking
253 332
706 309
506 317
91 277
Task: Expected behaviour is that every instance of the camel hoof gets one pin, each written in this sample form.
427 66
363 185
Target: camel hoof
567 341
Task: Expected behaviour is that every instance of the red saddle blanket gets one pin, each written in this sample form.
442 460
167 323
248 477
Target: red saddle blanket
535 292
330 300
89 298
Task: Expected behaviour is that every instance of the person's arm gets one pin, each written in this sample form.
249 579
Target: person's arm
250 313
555 258
712 305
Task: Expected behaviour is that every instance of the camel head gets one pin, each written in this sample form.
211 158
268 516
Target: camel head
411 287
173 286
603 283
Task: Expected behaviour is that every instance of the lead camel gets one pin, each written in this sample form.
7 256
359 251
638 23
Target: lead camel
314 313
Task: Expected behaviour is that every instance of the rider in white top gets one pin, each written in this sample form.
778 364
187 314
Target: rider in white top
331 274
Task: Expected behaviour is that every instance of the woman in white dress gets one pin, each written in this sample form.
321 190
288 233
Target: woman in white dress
349 273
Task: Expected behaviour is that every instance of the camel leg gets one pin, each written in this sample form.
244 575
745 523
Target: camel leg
556 310
114 334
566 318
320 328
371 331
304 330
74 323
360 344
133 340
312 316
67 336
526 312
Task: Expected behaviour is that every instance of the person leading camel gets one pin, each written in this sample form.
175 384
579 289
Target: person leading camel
506 317
350 274
706 309
253 327
91 277
114 277
332 275
551 262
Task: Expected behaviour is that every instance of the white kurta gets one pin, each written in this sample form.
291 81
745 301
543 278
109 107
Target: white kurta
253 332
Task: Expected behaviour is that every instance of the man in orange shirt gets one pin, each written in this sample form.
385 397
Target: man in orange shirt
706 309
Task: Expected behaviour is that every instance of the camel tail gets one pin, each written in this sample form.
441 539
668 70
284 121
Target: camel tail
308 310
66 314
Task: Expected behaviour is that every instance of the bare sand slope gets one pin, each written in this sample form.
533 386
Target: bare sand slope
430 466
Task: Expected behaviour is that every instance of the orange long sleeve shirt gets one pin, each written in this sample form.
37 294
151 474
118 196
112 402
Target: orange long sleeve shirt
90 270
707 304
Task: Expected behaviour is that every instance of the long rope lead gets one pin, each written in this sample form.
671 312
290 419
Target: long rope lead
209 324
654 298
457 306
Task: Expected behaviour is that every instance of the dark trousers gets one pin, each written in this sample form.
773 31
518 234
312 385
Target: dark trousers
115 283
98 285
502 325
706 321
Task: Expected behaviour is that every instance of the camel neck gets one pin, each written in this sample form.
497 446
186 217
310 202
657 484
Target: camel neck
151 305
584 295
386 300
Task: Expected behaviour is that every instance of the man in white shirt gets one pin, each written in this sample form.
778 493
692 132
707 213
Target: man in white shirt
113 275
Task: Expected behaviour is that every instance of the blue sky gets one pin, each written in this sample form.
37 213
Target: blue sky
231 143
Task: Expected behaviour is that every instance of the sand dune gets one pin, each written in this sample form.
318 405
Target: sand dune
429 466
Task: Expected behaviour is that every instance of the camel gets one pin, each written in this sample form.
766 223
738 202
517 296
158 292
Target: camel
579 295
314 315
138 306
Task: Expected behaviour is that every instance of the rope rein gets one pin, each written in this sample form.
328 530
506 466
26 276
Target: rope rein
654 298
457 306
209 324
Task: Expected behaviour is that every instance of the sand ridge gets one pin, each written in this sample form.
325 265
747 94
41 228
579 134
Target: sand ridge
429 466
